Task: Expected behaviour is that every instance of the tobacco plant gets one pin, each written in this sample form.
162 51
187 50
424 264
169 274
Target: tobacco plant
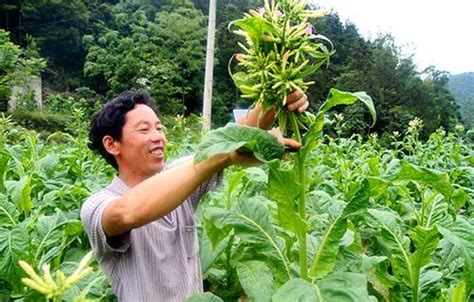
281 50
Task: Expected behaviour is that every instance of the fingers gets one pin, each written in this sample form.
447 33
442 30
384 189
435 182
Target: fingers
288 142
297 100
291 143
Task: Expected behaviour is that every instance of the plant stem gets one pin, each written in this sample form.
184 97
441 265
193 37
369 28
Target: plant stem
300 161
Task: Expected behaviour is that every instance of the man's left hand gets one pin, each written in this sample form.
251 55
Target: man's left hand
297 101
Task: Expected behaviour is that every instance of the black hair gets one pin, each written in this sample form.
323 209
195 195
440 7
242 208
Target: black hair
111 119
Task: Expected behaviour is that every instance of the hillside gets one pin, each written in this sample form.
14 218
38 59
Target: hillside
462 87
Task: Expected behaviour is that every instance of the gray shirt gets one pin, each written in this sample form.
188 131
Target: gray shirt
156 262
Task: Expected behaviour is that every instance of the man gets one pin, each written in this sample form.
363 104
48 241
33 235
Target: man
142 226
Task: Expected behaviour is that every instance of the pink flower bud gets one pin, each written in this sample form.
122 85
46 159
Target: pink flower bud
278 13
310 29
240 57
261 11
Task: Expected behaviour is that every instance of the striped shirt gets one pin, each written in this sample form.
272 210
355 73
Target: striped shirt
156 262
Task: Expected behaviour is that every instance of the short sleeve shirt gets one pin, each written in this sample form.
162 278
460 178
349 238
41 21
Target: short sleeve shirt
156 262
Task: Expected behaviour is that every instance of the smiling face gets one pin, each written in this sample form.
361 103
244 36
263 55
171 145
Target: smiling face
140 152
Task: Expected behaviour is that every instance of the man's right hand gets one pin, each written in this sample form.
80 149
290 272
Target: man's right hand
248 160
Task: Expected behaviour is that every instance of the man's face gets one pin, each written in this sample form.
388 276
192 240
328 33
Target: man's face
143 143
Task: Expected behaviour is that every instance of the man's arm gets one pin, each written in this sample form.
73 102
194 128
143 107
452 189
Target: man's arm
160 194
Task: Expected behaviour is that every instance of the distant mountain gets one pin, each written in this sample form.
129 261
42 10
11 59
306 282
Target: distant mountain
462 87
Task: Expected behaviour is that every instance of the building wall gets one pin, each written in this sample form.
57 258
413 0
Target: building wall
34 84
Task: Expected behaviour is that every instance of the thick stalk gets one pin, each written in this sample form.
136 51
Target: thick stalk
300 161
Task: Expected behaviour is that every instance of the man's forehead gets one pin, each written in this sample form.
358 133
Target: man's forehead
147 122
142 115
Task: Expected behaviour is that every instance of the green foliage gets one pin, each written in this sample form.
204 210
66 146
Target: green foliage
182 133
164 54
461 87
16 65
234 137
256 279
40 121
61 113
400 92
407 235
380 220
296 290
43 185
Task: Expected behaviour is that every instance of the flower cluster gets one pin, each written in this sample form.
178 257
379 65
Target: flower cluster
280 50
415 125
49 287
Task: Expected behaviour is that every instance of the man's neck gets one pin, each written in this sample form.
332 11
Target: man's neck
131 178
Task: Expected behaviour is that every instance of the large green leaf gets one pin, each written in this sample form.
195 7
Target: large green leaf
461 235
391 237
459 198
325 256
403 171
309 139
19 192
9 213
436 208
14 246
428 280
251 222
425 241
256 279
296 290
207 253
48 231
216 224
283 187
337 97
344 287
235 137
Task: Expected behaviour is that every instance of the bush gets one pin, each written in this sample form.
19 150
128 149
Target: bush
41 121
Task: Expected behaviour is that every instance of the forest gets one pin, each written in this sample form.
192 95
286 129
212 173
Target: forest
93 50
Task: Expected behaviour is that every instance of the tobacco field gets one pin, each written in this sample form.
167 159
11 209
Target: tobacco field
391 223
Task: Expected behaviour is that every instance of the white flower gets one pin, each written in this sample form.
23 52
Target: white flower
459 127
339 117
415 124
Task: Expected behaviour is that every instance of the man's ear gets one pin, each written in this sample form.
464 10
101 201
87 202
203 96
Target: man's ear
111 145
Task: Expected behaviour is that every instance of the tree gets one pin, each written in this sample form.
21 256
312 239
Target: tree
164 54
16 65
400 93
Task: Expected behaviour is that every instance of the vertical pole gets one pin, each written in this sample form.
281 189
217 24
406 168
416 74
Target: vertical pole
207 102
